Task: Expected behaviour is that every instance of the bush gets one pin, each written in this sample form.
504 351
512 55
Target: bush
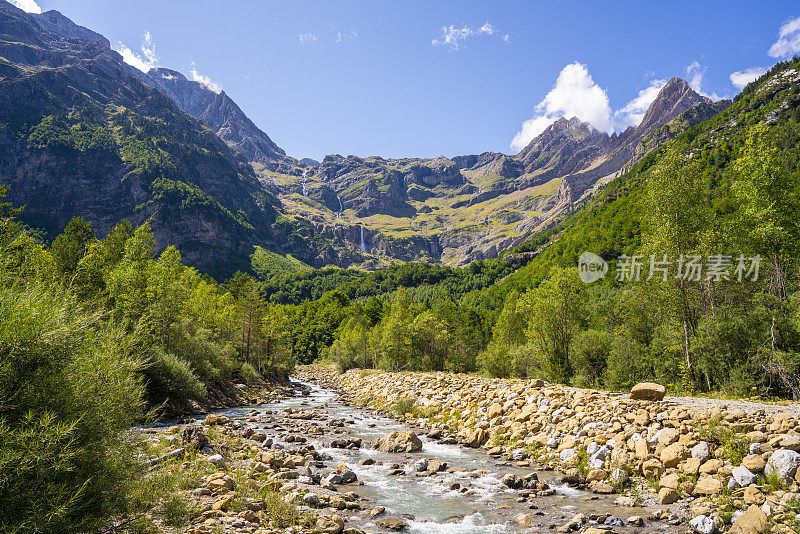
68 391
171 379
248 374
498 362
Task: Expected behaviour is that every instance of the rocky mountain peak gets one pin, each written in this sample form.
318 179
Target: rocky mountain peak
673 99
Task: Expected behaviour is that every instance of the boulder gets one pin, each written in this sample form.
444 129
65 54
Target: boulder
215 419
477 438
753 521
708 485
783 463
398 441
743 476
702 524
391 523
648 391
667 496
754 462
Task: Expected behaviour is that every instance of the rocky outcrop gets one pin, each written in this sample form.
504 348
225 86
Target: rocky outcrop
223 116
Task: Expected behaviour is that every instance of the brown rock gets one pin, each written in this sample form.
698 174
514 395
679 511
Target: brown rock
708 485
753 521
648 391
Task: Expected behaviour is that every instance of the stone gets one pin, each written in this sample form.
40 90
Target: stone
477 438
752 495
671 481
672 455
702 524
754 462
330 525
667 496
648 391
215 419
743 476
398 441
392 523
783 463
495 410
708 485
753 521
652 468
217 460
619 477
524 520
701 451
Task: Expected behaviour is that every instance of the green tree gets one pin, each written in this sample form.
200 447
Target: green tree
70 246
555 312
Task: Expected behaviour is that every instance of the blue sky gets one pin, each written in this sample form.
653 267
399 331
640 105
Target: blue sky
424 78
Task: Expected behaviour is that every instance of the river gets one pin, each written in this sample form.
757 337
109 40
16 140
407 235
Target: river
469 498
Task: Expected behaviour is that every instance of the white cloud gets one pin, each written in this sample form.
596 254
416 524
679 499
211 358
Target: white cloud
575 94
486 29
788 43
632 113
453 37
741 78
144 61
308 38
205 81
695 73
343 36
27 5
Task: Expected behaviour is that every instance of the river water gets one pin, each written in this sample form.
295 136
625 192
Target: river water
481 505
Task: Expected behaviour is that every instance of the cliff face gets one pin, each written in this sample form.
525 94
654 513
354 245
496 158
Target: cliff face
81 135
223 116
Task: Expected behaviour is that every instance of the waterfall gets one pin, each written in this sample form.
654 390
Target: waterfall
305 190
363 245
341 207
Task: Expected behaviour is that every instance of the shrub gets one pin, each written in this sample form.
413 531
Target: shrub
68 391
170 378
248 374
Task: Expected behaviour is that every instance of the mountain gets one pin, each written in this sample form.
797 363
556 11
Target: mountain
80 135
714 134
223 116
463 208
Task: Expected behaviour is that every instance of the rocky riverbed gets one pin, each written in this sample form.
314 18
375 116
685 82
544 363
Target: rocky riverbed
439 453
716 469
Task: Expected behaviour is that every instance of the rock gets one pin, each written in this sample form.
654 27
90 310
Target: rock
619 477
752 495
753 521
783 463
524 520
648 391
673 455
701 451
478 437
671 481
743 476
708 485
667 496
614 521
495 410
702 524
330 525
217 460
215 419
391 523
398 441
754 462
566 454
